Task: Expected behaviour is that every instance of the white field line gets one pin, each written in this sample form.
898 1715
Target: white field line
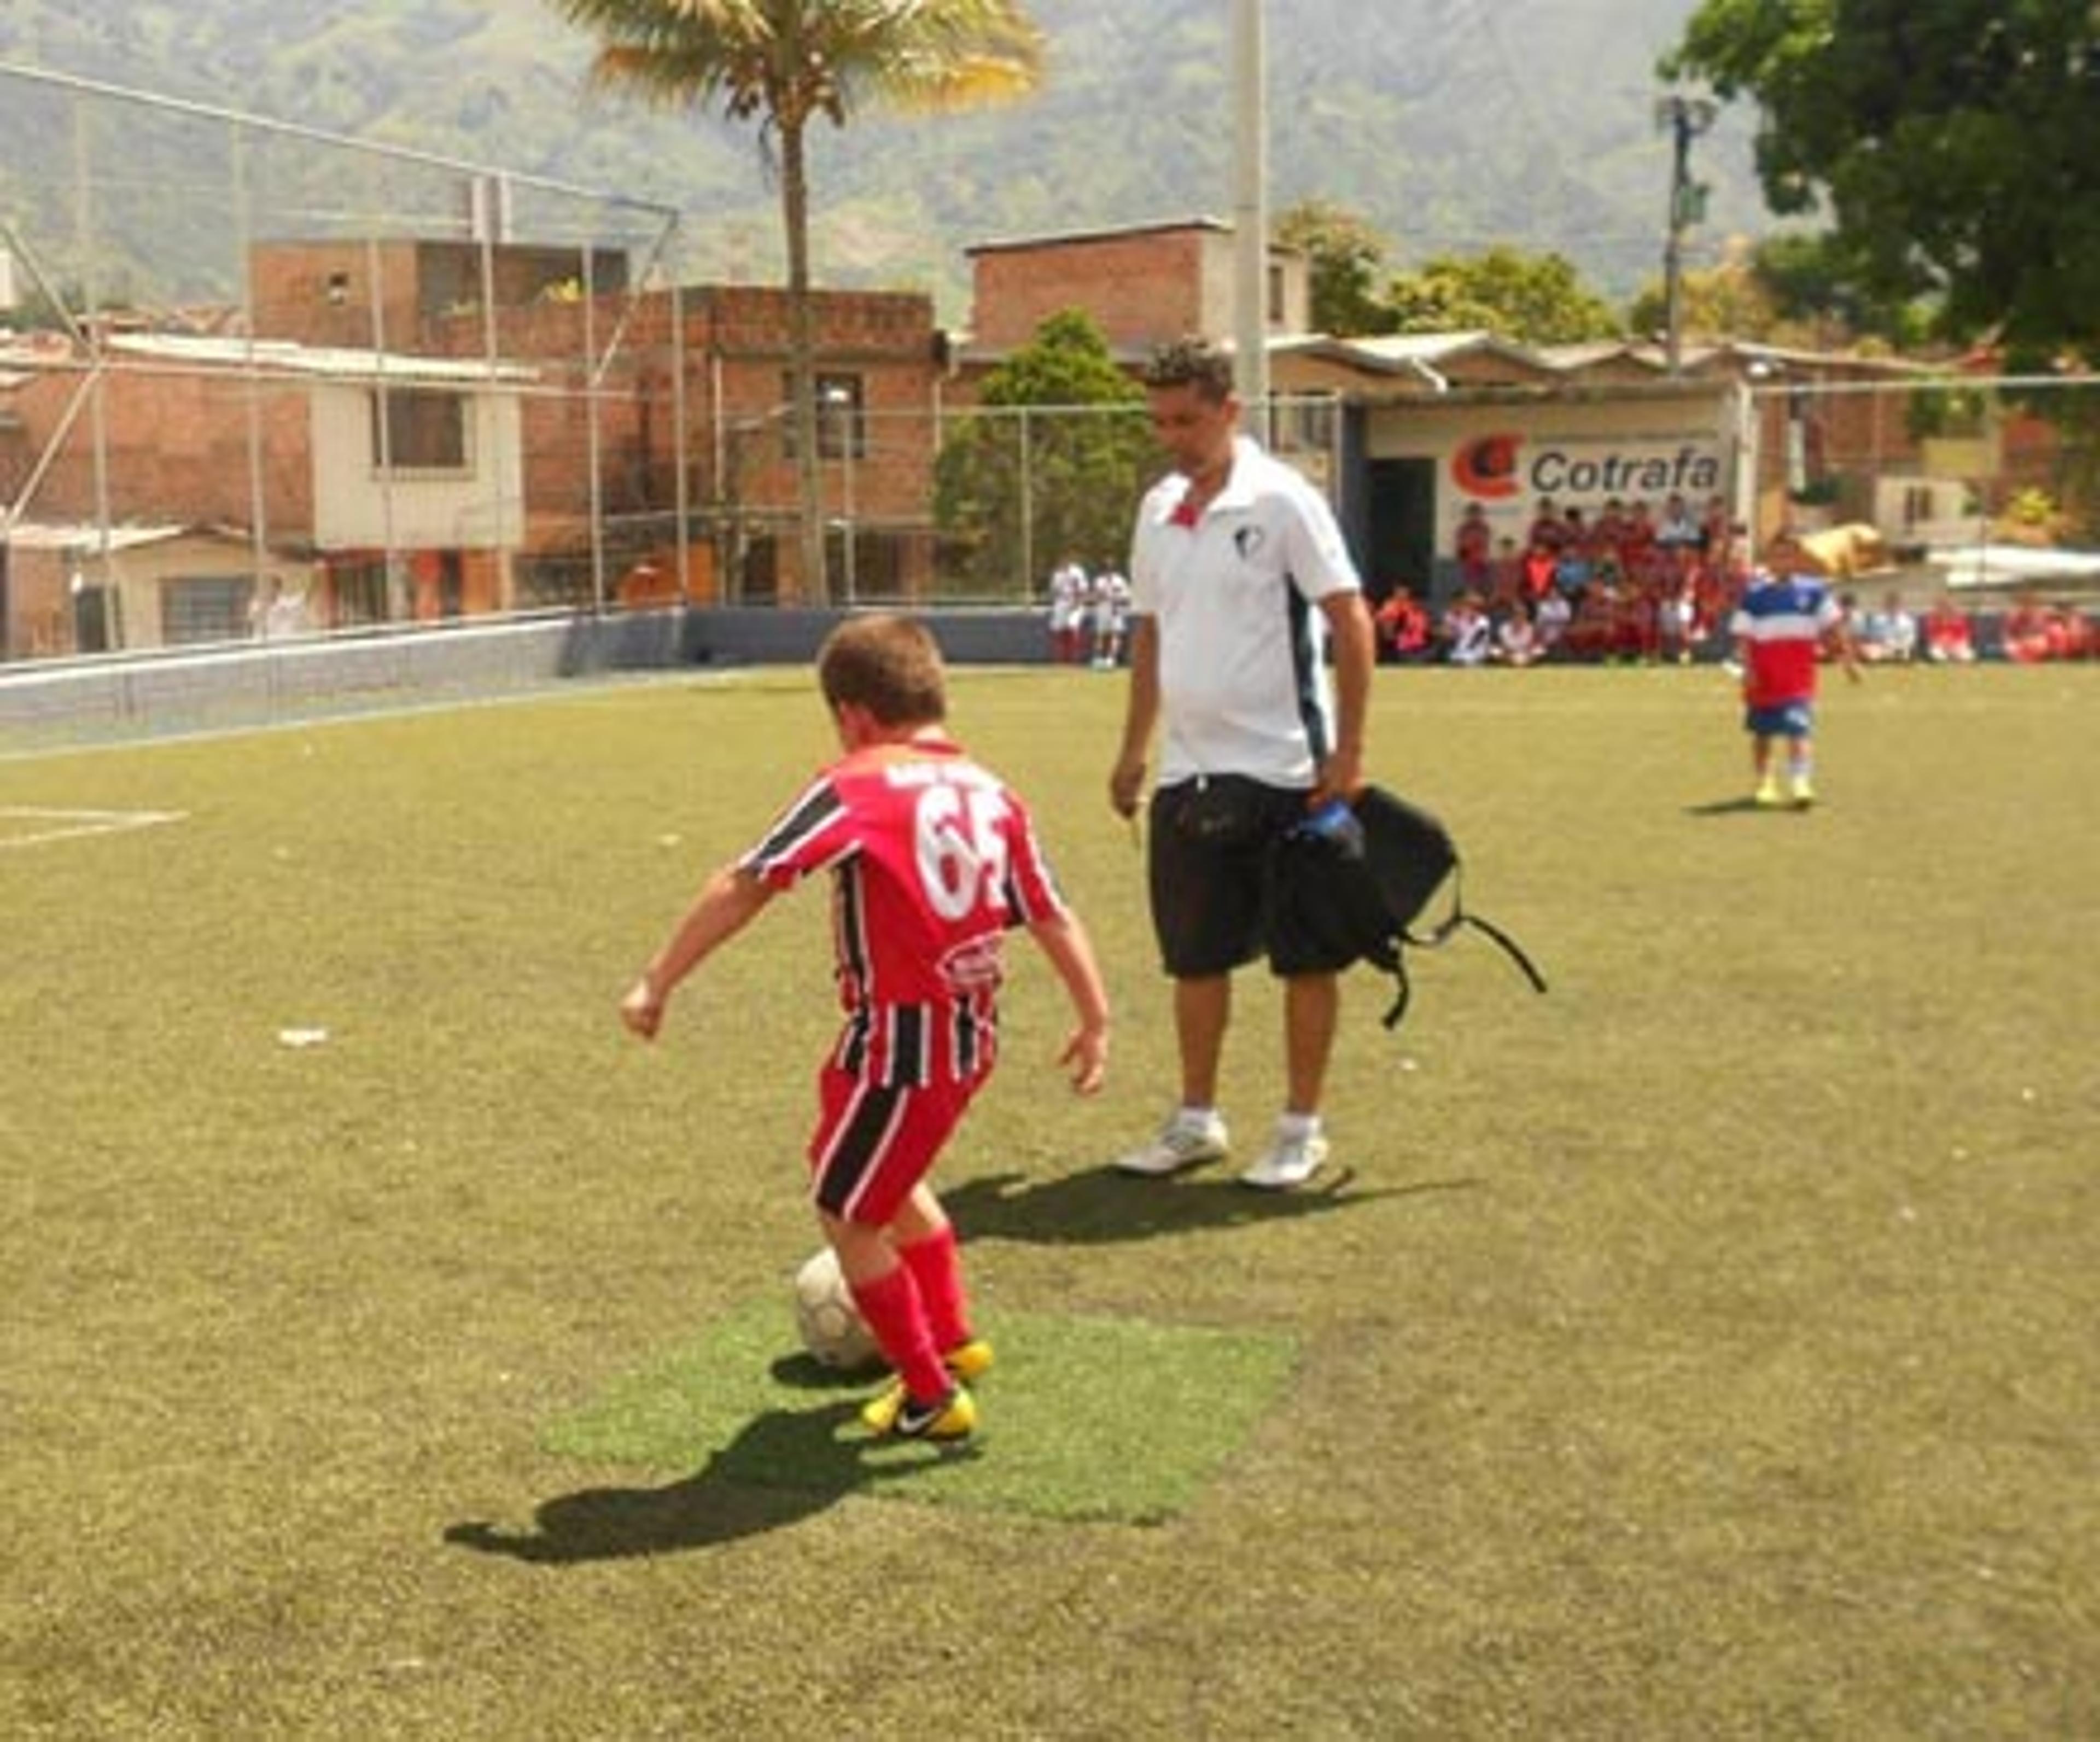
557 692
76 824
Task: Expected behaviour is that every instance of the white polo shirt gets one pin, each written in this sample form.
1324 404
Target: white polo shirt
1243 681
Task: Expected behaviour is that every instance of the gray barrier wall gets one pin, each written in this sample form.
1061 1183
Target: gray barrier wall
232 686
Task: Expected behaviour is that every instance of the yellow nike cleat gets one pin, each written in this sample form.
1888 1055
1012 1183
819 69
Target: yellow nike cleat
896 1414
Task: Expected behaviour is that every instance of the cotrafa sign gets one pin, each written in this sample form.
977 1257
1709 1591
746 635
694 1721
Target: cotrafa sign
1505 467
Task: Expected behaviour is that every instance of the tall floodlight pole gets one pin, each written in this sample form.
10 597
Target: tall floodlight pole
1686 117
1250 212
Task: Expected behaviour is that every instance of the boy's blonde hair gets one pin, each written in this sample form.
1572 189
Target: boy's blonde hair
889 664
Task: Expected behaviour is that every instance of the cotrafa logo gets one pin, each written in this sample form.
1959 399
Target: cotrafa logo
1487 466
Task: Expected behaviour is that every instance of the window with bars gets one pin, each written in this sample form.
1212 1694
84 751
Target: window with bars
197 608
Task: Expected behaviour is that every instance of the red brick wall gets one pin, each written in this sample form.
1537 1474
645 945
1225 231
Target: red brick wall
1139 288
177 448
320 292
735 356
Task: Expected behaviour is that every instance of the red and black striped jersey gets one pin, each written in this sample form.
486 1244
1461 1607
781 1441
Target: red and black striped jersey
933 860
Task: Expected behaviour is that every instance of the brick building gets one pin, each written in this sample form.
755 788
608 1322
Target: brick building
443 428
536 450
616 377
1141 283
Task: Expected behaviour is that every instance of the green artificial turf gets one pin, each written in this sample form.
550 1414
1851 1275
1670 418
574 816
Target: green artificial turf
1111 1419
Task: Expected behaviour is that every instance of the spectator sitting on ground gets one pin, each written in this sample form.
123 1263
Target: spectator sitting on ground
1948 639
2078 637
1403 628
2024 634
1516 641
1634 624
1594 627
1549 620
1889 635
1466 632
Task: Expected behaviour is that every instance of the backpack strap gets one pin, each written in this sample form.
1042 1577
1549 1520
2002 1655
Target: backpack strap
1440 934
1510 947
1402 991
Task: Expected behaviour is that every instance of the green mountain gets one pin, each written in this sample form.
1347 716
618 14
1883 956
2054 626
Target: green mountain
1449 124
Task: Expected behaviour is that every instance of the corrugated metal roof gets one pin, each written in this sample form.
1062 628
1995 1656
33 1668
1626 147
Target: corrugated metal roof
321 361
85 536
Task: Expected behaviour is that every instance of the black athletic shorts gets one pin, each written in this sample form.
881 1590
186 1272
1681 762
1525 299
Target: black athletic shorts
1208 865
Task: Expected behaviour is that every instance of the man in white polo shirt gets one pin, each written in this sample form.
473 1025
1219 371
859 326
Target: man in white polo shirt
1239 579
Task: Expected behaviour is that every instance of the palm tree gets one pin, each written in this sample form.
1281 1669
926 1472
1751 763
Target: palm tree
785 64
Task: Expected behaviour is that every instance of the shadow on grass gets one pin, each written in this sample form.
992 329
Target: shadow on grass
1103 1206
784 1466
1742 806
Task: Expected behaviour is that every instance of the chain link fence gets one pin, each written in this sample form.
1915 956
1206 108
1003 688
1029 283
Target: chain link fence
1968 504
256 379
258 382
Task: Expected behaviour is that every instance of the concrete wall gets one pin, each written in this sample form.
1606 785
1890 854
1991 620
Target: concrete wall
480 505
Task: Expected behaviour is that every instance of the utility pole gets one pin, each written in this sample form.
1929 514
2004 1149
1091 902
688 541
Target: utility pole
1686 117
1250 214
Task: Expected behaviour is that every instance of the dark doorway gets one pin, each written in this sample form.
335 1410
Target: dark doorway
760 580
1401 545
90 620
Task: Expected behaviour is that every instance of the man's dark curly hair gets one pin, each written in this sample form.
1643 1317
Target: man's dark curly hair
1191 362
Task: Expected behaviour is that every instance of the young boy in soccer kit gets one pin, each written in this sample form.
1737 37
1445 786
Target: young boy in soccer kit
1785 616
933 859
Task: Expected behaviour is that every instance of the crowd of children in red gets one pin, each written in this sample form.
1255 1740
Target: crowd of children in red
2032 632
1629 585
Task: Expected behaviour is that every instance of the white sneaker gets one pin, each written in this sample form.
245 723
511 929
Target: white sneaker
1290 1161
1181 1144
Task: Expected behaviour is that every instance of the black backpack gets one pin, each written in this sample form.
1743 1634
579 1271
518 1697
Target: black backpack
1342 896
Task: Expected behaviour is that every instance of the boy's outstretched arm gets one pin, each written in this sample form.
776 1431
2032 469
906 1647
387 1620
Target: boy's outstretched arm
730 901
1848 651
1085 1051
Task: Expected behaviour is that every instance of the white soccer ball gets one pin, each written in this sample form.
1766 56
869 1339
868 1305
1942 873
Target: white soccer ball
831 1325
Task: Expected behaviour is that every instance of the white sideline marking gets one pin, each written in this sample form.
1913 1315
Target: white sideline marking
79 822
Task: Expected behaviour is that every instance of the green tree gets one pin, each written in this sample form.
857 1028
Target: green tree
1051 467
1794 289
1950 141
785 65
1534 299
1728 301
1813 282
1345 256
